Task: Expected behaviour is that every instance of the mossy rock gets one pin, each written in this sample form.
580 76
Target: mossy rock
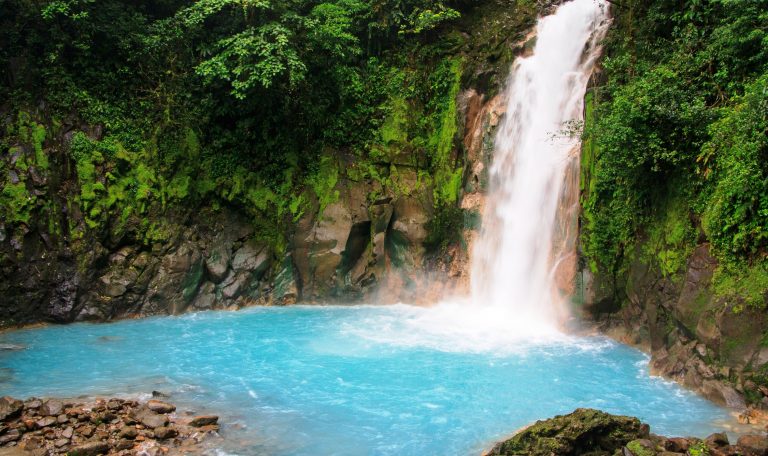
584 431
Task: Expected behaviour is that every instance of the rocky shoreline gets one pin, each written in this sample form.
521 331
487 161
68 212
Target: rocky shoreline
596 433
47 427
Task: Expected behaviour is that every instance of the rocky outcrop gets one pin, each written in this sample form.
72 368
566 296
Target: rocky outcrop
592 432
707 343
585 431
103 426
208 261
355 246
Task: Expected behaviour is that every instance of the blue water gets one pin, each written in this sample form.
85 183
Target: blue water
359 380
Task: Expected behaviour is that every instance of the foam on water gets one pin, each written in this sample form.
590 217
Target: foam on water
351 380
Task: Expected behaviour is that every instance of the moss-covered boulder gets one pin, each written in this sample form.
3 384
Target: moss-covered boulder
582 432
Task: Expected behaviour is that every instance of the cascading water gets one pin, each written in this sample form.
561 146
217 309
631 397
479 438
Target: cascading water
514 258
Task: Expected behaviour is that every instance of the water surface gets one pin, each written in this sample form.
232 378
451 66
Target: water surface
362 380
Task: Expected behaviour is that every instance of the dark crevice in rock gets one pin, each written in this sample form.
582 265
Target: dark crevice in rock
357 243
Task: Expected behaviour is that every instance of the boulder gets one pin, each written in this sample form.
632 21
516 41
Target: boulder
149 418
85 430
46 421
206 297
581 432
718 439
32 404
10 436
52 407
10 408
160 406
754 443
723 394
203 420
251 257
128 432
677 445
217 262
163 432
639 447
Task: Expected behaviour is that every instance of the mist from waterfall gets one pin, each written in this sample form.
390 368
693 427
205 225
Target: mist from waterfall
515 255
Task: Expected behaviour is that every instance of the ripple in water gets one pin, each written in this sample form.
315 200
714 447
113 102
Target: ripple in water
395 380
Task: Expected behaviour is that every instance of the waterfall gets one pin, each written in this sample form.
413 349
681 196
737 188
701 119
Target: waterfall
523 239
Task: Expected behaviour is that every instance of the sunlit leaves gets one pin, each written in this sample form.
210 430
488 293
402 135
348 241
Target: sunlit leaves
256 57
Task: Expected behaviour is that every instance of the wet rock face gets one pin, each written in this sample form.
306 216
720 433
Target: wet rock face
350 250
210 261
113 426
706 343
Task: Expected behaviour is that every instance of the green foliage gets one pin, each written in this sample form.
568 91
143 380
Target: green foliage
746 283
445 228
254 57
446 81
638 449
427 19
323 183
17 203
699 449
735 164
675 140
394 130
671 237
30 132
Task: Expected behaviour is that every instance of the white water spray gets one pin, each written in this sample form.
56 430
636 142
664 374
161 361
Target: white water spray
514 258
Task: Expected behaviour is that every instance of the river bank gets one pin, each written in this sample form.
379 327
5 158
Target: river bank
76 427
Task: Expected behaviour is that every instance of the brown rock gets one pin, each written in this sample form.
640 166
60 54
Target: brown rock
209 428
68 432
114 404
89 449
10 436
753 442
124 445
30 424
32 404
46 421
163 432
52 407
61 419
85 430
149 418
74 412
10 408
60 443
128 432
718 439
33 443
677 445
203 420
160 406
